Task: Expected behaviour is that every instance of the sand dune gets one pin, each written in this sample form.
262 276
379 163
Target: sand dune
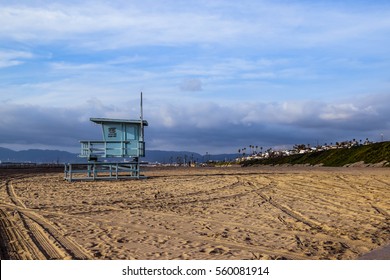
197 213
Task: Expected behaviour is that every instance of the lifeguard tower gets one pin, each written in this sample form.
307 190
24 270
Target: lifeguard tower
122 139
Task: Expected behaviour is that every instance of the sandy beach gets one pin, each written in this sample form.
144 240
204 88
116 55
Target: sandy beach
197 213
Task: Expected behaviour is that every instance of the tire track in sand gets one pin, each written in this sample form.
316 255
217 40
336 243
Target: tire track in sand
11 195
316 226
44 237
312 224
14 245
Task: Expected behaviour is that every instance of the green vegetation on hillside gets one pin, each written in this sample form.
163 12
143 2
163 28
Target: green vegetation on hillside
369 154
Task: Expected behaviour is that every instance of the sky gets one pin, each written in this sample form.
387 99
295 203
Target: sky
216 76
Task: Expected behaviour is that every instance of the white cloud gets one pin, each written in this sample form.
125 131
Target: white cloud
10 58
191 85
111 25
63 66
339 112
104 26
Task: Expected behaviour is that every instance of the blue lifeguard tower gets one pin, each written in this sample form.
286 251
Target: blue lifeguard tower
122 139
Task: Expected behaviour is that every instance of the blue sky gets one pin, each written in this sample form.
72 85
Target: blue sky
216 75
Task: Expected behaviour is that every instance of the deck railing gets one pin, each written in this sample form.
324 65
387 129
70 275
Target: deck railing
110 149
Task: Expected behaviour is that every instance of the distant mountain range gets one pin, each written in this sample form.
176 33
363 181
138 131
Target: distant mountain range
55 156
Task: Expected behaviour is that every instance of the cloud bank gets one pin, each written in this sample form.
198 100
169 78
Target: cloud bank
205 127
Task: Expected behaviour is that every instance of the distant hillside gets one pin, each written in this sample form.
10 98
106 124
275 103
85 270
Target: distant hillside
369 154
55 156
37 156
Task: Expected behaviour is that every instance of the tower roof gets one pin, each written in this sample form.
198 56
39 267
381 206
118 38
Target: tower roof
105 120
